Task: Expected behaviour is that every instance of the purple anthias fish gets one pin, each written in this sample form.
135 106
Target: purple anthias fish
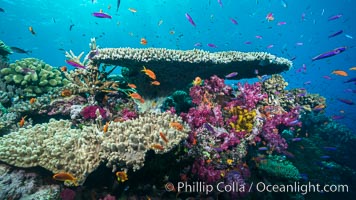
330 148
350 80
75 64
212 45
296 139
330 53
190 19
337 117
220 3
336 33
347 101
233 21
231 75
334 17
101 15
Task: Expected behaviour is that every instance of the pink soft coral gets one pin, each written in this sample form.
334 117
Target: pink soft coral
89 112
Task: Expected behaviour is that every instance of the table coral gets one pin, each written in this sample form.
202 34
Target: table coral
171 66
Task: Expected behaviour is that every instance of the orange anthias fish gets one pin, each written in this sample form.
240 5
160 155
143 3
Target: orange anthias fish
155 83
121 176
164 138
106 127
32 100
176 125
143 41
66 177
149 73
22 121
135 96
63 68
31 30
340 73
133 86
157 146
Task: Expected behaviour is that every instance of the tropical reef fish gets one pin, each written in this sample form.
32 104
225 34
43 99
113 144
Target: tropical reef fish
346 101
19 50
133 10
270 17
233 20
284 4
197 81
349 36
75 64
231 75
31 30
66 177
163 136
118 5
339 72
155 83
337 117
296 139
131 85
330 53
212 45
220 3
336 33
149 73
22 121
2 10
352 68
143 41
263 149
190 19
350 80
281 23
101 15
335 17
330 148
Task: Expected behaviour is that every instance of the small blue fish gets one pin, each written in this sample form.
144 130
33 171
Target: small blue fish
263 149
324 157
293 123
330 53
296 139
231 75
350 80
336 34
330 148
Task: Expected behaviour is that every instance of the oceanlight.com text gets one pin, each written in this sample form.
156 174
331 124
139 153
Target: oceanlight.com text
296 187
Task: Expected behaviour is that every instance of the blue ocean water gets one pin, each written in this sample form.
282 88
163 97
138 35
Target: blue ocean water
306 24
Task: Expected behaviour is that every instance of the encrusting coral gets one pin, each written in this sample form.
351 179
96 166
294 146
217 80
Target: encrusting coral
57 147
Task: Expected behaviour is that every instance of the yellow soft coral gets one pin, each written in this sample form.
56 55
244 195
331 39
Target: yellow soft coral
245 119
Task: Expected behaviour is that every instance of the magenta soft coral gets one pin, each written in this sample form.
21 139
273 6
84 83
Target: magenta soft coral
196 117
89 112
249 96
212 87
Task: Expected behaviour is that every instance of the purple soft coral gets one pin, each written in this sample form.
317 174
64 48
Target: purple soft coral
89 112
249 96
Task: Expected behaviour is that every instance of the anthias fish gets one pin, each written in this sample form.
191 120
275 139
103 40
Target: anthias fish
190 19
75 64
336 33
330 53
101 15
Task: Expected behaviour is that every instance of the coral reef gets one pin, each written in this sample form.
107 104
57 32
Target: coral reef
171 66
18 184
33 76
57 147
